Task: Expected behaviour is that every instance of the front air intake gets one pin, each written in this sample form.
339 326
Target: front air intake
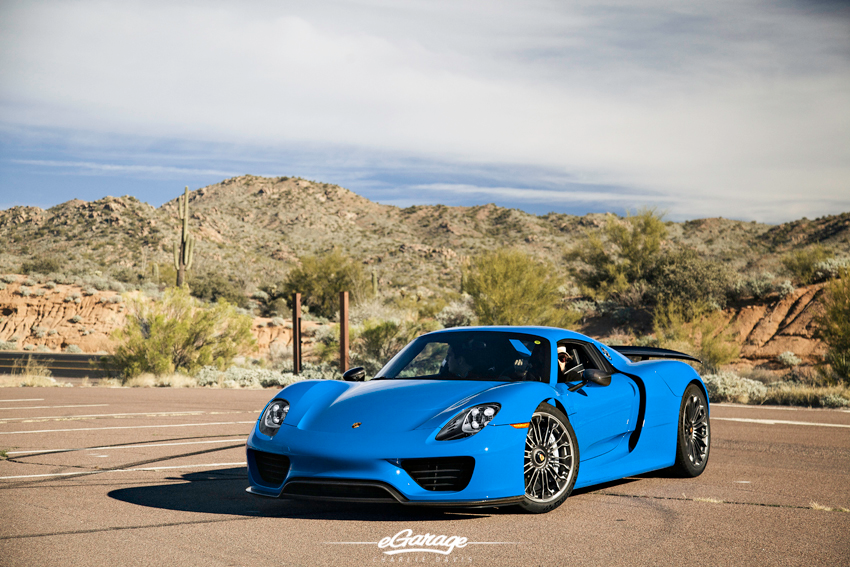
440 473
272 468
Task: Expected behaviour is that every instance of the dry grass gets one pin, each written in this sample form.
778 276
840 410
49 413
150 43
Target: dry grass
30 373
710 500
802 395
165 381
815 506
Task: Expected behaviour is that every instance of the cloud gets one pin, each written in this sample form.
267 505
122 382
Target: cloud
107 168
720 107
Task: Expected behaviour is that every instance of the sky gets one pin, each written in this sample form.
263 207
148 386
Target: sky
738 109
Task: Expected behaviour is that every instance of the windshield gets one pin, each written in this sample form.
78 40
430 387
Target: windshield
473 355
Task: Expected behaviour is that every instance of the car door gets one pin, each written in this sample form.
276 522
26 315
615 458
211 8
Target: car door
602 416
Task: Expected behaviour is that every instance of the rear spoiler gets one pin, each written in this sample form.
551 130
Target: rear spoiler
643 353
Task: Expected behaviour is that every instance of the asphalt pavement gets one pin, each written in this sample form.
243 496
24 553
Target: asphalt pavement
156 476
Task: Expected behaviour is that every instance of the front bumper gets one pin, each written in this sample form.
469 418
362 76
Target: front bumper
367 468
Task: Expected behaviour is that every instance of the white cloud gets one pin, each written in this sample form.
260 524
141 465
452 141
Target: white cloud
718 107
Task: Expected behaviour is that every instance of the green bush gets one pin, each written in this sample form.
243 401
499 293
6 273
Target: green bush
624 254
214 286
834 325
179 334
44 265
801 263
510 288
319 279
684 278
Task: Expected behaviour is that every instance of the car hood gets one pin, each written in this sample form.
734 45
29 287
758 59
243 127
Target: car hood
379 405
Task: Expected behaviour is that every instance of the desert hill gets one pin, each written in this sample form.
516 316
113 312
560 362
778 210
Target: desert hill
267 223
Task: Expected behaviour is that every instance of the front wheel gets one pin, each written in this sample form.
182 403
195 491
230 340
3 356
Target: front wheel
694 433
550 462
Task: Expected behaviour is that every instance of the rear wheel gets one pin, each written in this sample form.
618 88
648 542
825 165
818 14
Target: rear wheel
694 433
550 463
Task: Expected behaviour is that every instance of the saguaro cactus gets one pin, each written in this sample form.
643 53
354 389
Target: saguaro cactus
184 252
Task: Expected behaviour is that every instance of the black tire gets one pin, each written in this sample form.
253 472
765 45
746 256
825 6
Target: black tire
550 460
693 434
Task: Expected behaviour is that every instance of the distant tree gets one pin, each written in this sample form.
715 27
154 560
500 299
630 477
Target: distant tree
319 279
215 286
510 288
178 333
693 283
623 254
45 265
834 325
802 264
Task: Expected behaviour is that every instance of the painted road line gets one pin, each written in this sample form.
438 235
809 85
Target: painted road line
62 417
111 447
779 422
141 469
49 407
25 400
128 427
780 408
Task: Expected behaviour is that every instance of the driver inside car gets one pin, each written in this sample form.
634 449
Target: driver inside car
568 366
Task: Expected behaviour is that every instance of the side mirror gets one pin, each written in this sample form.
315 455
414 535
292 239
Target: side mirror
598 377
358 374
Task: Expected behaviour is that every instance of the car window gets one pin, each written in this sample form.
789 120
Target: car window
473 355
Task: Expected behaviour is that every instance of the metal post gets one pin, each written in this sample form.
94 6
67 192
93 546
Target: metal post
296 333
343 331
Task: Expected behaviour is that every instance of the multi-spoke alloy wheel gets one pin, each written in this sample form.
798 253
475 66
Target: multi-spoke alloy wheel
551 460
694 433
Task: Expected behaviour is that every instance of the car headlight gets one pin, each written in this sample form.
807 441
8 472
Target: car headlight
468 422
273 416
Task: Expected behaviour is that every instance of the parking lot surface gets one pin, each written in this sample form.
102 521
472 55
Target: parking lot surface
156 476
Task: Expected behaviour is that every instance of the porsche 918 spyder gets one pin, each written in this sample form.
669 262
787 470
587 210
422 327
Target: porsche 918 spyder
484 416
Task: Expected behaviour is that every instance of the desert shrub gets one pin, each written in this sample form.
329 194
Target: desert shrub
260 295
24 291
830 269
834 401
376 341
14 338
788 359
29 347
792 394
834 325
179 334
51 332
30 282
729 387
73 349
115 299
214 286
508 287
38 293
624 254
76 319
458 313
89 291
43 265
42 348
761 284
238 377
276 322
2 286
9 278
703 336
8 345
71 297
785 288
50 285
128 275
690 281
801 263
319 279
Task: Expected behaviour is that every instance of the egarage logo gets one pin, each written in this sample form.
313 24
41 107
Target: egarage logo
405 542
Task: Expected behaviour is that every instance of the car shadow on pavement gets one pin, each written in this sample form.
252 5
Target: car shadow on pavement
223 492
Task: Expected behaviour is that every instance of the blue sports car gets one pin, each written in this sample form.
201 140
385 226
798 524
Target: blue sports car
484 416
